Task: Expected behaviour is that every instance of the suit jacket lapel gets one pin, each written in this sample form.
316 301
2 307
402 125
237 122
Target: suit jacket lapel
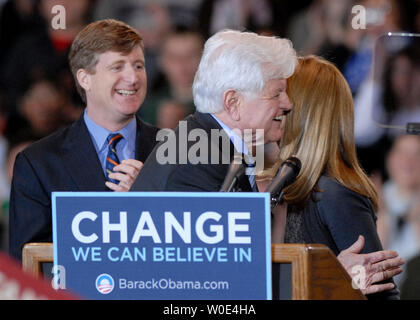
81 160
145 140
208 123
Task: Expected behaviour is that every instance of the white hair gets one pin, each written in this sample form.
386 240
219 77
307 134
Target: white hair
243 61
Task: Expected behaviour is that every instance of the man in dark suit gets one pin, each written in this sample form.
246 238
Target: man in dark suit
104 149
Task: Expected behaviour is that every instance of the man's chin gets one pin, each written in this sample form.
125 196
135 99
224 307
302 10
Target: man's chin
130 107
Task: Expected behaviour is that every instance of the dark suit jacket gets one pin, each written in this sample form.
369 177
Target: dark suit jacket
64 161
209 176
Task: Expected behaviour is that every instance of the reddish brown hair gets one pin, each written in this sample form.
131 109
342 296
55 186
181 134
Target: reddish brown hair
99 37
320 131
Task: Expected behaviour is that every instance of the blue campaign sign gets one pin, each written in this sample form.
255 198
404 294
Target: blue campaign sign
163 245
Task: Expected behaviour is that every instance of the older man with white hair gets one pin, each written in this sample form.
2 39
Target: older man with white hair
240 87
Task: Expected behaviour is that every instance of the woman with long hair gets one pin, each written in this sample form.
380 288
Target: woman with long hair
332 201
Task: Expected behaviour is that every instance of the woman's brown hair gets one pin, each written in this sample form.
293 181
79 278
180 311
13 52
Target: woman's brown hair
320 131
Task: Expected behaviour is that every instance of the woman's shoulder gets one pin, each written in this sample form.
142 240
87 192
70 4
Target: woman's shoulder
331 189
332 196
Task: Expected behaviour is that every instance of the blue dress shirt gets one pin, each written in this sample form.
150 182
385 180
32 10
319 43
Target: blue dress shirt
126 148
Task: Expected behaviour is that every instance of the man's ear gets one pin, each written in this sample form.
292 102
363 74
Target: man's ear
84 79
231 102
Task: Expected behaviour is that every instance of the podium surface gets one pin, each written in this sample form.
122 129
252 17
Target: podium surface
316 274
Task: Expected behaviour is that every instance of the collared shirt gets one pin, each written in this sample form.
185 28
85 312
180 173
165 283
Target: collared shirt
237 140
126 147
240 147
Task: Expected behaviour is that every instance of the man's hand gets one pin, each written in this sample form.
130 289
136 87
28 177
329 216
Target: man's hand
126 172
371 267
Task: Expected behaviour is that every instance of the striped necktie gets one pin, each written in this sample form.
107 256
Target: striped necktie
112 158
251 176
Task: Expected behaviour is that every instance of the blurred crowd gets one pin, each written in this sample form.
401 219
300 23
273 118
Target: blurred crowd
38 95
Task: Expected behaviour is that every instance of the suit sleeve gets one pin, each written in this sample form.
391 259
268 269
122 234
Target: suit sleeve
194 178
30 208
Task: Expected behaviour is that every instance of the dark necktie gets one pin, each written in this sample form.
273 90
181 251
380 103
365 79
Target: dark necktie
112 158
251 176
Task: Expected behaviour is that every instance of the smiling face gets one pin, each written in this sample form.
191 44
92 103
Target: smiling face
403 163
116 89
266 111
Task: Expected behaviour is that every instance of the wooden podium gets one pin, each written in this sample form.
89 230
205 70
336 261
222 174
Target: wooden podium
315 273
34 255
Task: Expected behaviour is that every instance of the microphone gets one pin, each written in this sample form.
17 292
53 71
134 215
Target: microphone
285 176
236 170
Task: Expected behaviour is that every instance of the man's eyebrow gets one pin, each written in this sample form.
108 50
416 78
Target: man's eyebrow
115 62
124 61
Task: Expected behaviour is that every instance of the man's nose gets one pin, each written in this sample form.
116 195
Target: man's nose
286 105
130 74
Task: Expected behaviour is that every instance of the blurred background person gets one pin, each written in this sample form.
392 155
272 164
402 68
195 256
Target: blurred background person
180 12
16 145
42 52
153 19
179 59
381 16
169 113
320 26
399 208
325 28
216 15
389 97
361 70
401 94
45 108
17 18
4 183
